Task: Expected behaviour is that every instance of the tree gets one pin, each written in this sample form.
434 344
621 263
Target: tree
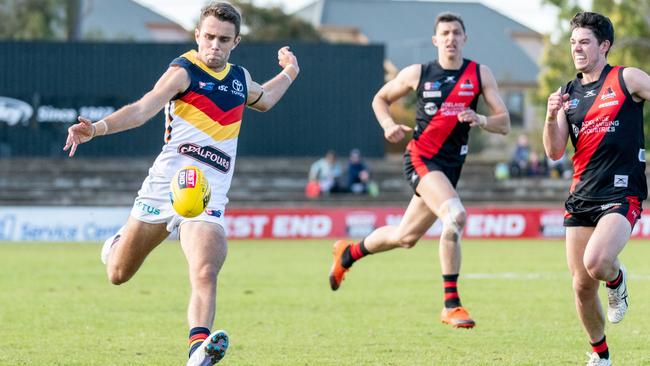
272 24
631 19
32 19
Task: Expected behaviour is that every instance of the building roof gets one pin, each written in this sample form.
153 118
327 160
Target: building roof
406 26
121 20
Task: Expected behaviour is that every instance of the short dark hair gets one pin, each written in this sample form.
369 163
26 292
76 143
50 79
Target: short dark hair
599 24
447 17
222 11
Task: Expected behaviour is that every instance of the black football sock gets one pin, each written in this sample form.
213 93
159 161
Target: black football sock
452 299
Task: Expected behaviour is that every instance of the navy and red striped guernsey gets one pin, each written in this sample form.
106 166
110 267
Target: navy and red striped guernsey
441 95
606 129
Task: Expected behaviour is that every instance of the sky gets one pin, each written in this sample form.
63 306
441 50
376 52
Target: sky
528 12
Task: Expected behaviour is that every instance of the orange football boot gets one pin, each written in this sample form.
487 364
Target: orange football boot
457 317
337 272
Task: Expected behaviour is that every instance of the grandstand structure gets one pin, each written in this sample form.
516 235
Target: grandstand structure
257 182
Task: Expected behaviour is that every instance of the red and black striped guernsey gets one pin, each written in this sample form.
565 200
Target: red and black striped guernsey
606 129
441 95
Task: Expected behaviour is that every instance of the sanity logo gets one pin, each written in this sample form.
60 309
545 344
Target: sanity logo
14 111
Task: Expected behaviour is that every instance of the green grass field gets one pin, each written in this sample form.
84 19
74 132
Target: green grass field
57 308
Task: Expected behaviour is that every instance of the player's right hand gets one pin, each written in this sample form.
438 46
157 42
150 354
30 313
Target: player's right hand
555 103
396 133
78 134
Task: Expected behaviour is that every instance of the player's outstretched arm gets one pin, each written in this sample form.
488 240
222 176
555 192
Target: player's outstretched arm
406 81
498 121
556 129
264 97
637 82
172 82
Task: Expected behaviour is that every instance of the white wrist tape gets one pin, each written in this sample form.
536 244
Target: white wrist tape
286 74
482 120
104 129
290 66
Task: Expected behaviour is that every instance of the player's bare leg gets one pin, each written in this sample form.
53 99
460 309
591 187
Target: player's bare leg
585 287
441 197
601 260
584 264
130 249
417 219
205 248
604 246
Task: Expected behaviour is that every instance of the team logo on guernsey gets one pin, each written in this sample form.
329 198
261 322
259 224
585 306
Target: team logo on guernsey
431 94
237 85
571 104
608 104
609 93
432 85
206 86
208 155
576 130
467 84
620 180
590 93
237 89
430 108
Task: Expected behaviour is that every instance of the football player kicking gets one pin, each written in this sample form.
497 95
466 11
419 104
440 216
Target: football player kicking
205 97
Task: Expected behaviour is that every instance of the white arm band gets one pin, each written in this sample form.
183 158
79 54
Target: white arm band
482 120
286 75
103 130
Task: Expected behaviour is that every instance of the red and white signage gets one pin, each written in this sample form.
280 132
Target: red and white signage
354 222
357 222
93 224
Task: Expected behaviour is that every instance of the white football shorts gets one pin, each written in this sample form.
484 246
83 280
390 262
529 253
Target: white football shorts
153 206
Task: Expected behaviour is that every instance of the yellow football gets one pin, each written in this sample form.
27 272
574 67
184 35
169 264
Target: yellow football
189 191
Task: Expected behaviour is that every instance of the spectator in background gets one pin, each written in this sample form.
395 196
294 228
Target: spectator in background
559 168
520 158
327 172
501 171
536 167
358 173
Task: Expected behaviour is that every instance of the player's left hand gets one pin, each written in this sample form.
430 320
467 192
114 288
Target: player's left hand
286 58
469 116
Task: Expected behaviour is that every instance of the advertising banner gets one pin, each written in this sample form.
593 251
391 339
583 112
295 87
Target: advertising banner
70 224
